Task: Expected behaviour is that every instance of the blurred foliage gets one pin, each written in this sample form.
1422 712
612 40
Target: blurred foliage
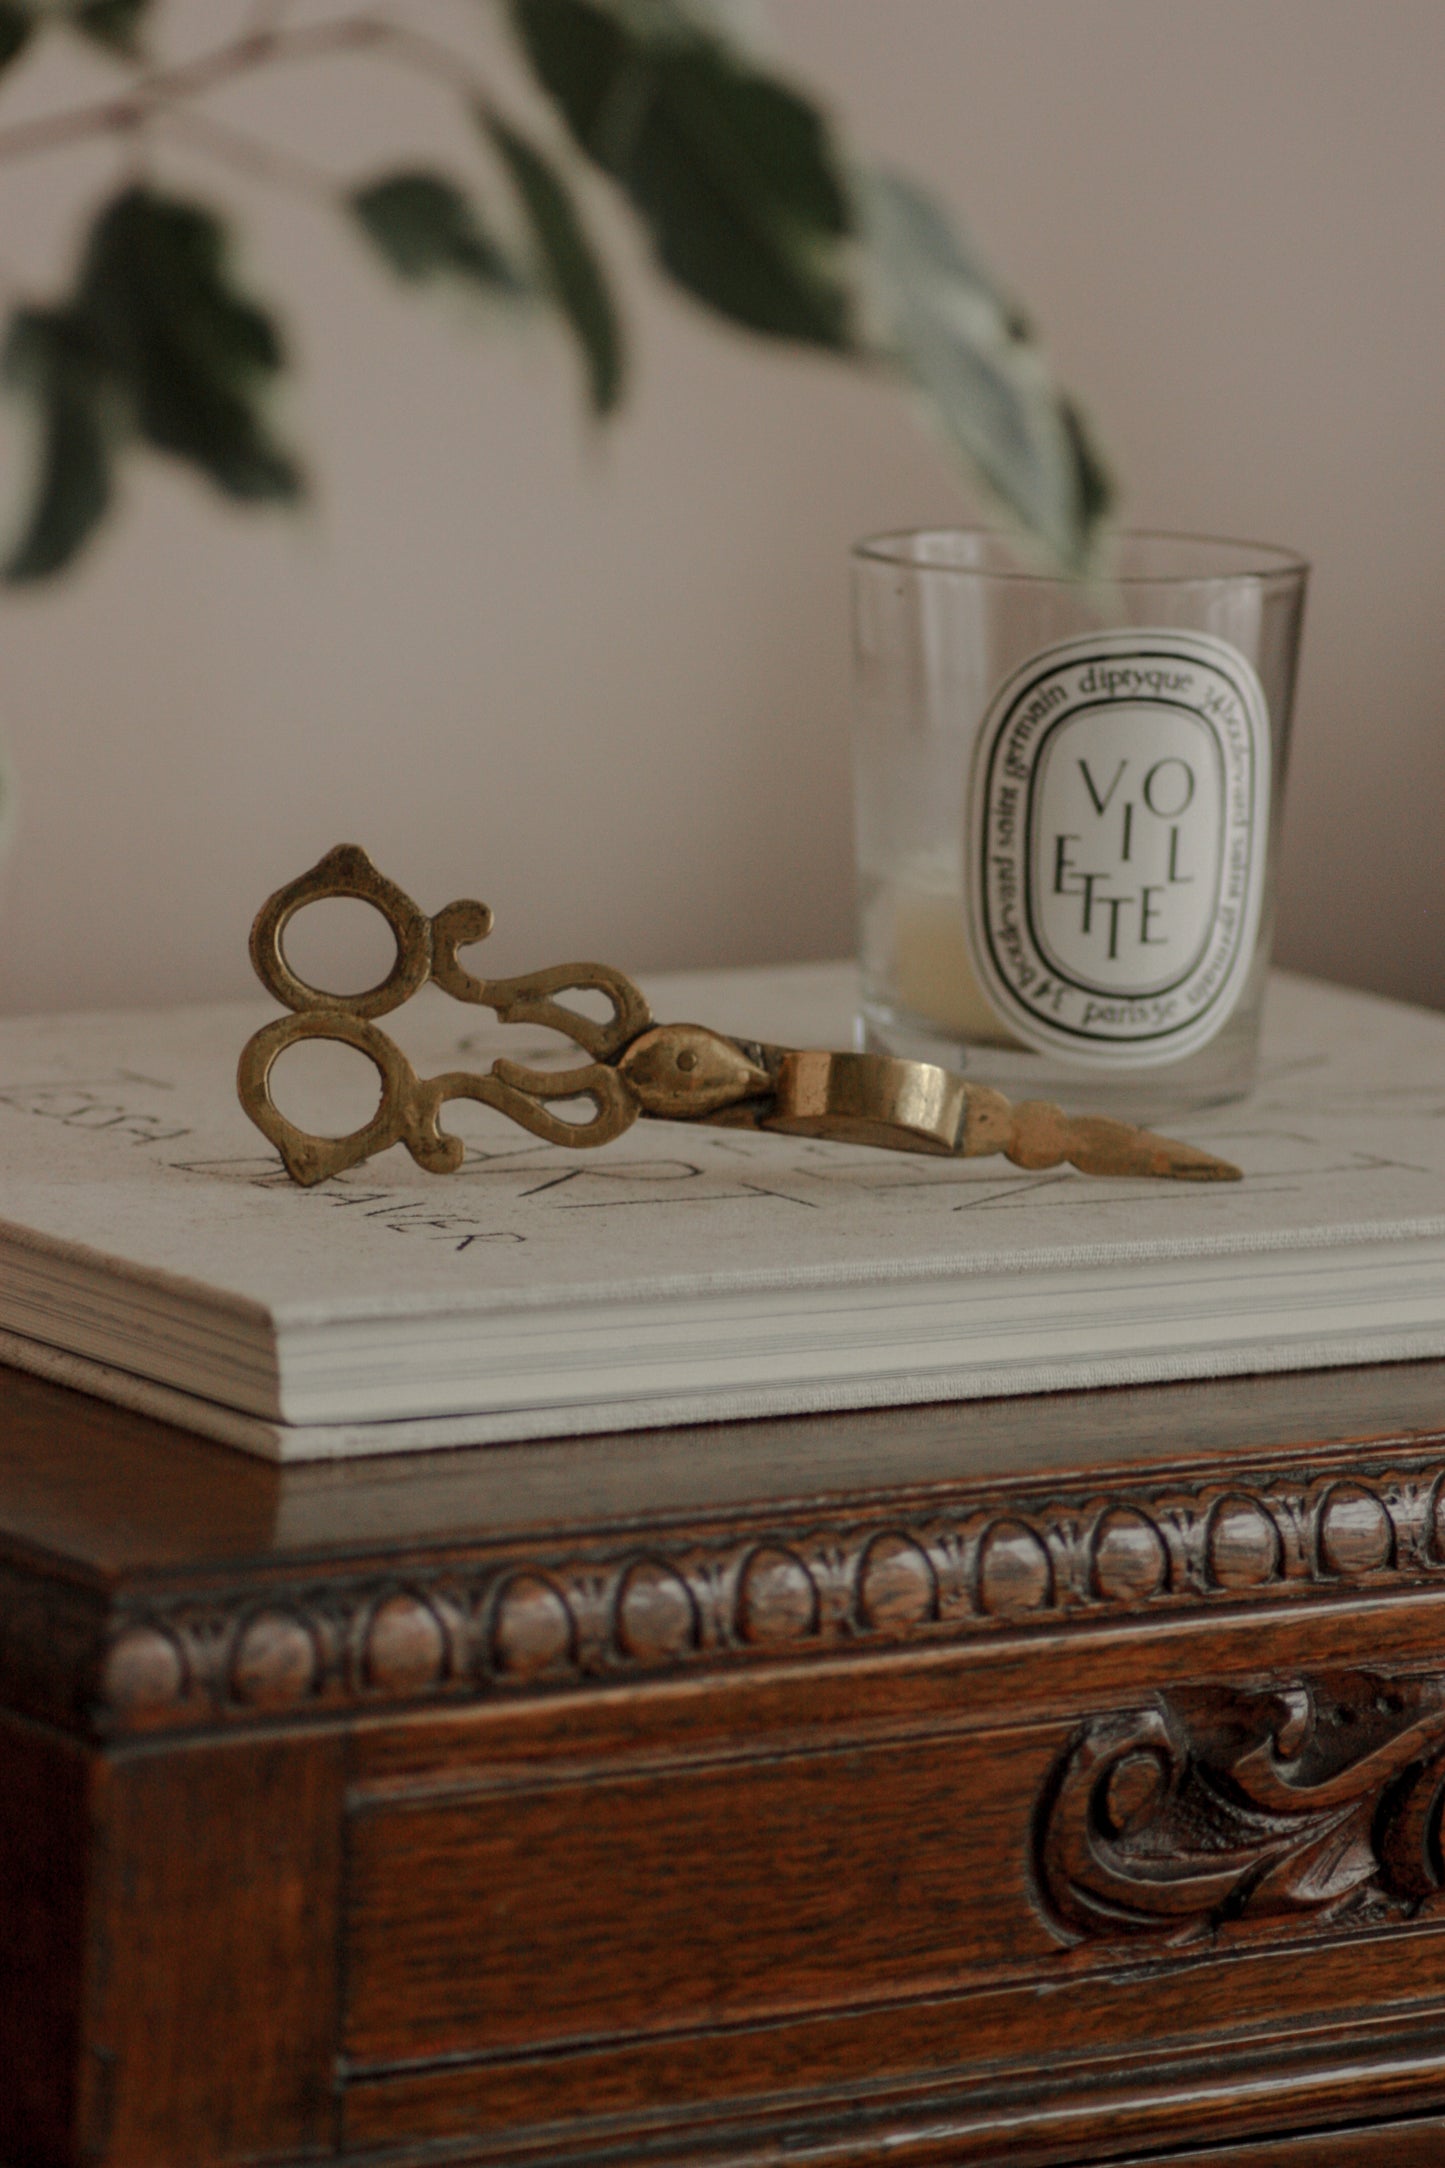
747 198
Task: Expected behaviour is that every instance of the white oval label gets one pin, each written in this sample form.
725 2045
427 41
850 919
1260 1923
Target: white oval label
1117 828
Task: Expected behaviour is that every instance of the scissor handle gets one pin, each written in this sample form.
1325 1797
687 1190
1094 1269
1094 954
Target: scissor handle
426 948
347 871
410 1108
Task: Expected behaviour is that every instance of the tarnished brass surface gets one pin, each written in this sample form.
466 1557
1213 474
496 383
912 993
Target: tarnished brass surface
684 1072
670 1072
906 1106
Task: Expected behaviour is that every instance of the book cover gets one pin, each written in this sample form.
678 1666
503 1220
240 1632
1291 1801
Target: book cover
152 1249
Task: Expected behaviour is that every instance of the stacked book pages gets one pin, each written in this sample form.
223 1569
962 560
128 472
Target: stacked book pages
153 1251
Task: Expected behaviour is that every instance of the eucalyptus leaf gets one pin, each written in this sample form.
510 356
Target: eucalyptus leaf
194 355
948 325
572 271
51 361
425 228
17 25
734 173
115 24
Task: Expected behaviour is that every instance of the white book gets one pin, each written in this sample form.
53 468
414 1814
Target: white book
152 1250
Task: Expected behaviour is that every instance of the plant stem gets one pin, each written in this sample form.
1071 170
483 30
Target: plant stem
426 55
261 49
257 47
247 155
55 130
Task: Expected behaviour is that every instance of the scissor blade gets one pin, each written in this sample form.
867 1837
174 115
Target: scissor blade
1096 1144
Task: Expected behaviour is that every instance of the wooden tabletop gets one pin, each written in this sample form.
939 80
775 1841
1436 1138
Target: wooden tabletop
110 1495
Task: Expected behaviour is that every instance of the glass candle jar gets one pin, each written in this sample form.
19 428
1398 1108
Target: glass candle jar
1068 799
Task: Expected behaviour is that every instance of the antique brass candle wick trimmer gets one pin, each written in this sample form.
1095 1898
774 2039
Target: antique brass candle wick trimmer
672 1072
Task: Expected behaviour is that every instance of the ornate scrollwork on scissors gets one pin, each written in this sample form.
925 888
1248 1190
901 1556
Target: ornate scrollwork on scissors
1321 1798
410 1108
673 1072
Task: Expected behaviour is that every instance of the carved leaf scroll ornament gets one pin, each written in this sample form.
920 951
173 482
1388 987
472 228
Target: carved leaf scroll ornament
1323 1797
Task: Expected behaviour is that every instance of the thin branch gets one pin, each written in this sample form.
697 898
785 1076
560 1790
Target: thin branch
261 49
257 47
261 161
54 131
426 55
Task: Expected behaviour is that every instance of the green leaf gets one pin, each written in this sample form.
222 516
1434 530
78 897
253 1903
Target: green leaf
17 25
115 24
1095 483
195 357
733 172
959 338
425 228
51 360
157 345
570 266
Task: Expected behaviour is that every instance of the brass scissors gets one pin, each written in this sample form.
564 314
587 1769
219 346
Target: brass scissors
670 1072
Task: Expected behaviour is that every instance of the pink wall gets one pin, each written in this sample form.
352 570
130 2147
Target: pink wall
604 684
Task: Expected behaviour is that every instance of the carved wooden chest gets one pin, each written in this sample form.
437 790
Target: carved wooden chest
1053 1780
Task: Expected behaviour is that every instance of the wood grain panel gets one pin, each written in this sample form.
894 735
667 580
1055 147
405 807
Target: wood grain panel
634 1900
1415 2143
1159 2124
43 1830
1232 2012
217 2013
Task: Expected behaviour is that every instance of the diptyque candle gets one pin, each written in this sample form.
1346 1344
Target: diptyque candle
1068 797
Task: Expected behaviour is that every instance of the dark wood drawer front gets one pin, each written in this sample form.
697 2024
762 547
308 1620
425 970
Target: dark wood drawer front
602 1903
1206 2044
900 1886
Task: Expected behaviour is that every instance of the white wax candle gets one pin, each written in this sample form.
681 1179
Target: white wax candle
933 971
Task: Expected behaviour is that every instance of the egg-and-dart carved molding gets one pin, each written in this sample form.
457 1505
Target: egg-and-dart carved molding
1317 1801
509 1623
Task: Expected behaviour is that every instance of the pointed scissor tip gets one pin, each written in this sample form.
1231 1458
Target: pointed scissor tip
1188 1164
